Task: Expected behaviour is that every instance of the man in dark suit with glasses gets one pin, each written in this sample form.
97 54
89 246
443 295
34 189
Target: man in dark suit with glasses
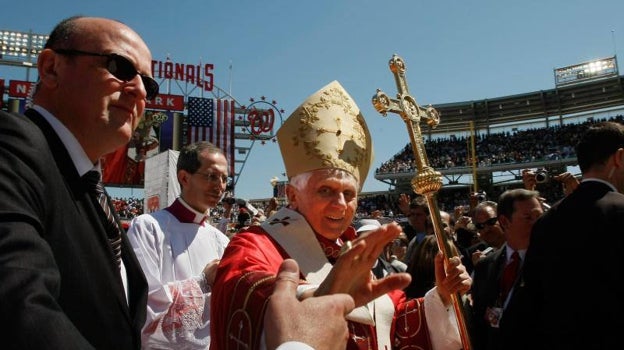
490 232
70 279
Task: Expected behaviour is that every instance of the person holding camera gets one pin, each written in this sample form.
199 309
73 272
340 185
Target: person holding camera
531 179
568 181
477 197
179 250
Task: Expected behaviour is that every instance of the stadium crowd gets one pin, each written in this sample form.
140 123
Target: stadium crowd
128 208
520 146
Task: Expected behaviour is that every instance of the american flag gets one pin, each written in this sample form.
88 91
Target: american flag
212 120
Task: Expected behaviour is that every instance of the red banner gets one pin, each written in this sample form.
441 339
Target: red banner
166 102
18 88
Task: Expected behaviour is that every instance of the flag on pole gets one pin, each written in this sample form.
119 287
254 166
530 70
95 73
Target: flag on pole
213 121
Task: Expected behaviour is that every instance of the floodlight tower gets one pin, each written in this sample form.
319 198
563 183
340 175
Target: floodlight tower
20 49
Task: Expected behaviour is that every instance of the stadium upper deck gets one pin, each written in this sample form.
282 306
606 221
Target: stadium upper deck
547 107
544 104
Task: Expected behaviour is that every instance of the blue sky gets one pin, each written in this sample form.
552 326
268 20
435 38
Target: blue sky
286 50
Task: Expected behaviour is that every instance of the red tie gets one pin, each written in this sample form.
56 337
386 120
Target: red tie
509 274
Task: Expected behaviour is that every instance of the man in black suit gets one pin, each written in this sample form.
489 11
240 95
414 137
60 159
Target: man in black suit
573 272
496 273
62 286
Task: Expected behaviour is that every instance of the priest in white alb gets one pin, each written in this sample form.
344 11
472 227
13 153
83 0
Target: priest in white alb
179 251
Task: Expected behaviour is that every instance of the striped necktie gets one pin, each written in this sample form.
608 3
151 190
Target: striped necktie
92 179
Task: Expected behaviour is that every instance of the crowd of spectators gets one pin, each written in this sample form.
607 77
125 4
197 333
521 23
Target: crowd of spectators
386 205
128 208
519 146
513 147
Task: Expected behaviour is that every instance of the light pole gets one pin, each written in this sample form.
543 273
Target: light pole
274 182
21 49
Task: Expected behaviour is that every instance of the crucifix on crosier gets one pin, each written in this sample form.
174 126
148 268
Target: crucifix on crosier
427 181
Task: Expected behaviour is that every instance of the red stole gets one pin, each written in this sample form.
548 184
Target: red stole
245 281
332 248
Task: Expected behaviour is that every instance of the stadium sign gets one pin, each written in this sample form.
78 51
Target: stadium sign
585 71
20 89
200 75
166 102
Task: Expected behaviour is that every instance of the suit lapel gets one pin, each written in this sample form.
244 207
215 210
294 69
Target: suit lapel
79 193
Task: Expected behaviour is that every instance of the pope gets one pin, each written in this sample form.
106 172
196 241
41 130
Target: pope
327 151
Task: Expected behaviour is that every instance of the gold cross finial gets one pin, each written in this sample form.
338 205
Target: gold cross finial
427 181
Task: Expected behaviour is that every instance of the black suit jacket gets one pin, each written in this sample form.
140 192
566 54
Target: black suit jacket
60 287
486 293
573 272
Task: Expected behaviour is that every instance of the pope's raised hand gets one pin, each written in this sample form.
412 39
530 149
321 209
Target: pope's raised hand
352 272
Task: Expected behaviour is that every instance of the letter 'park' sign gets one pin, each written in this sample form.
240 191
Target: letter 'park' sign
166 102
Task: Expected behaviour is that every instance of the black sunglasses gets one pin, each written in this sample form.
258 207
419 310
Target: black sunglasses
489 222
120 67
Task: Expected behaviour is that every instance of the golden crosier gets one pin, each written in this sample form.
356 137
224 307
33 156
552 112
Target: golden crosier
427 181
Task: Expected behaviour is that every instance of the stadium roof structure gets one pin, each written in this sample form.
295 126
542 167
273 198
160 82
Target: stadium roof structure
561 101
548 106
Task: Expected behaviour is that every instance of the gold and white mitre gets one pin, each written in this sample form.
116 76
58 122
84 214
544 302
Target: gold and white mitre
326 131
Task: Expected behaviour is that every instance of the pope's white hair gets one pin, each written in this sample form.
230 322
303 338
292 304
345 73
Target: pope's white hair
299 181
